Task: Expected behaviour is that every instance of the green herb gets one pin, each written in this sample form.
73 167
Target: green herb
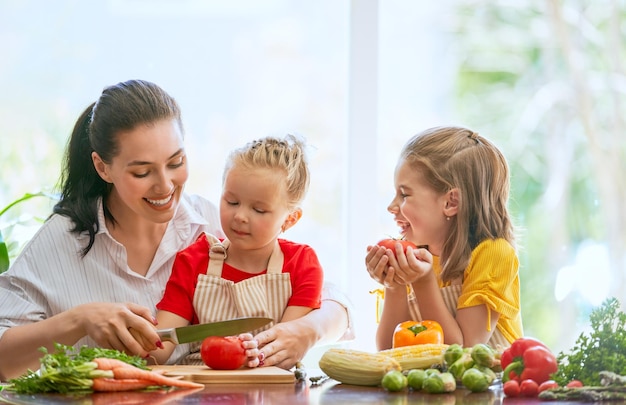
603 349
69 371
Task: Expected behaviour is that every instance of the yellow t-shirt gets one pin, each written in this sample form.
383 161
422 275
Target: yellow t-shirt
492 278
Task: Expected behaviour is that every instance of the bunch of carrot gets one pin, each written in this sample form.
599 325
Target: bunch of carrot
126 377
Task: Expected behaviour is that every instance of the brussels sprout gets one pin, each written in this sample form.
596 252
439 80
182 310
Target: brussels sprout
431 371
458 367
416 378
453 353
394 380
491 375
449 382
475 380
439 383
483 355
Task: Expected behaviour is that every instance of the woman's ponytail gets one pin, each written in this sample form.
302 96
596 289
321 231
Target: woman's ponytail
81 186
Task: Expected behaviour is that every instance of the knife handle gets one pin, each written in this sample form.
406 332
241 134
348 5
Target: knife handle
168 335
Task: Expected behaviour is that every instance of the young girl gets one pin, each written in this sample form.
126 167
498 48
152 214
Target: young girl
452 188
252 272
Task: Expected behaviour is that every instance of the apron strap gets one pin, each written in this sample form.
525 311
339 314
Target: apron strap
218 253
277 259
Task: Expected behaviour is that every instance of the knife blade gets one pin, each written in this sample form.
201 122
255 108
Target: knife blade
196 333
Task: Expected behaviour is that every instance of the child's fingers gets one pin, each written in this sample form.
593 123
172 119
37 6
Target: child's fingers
377 266
245 336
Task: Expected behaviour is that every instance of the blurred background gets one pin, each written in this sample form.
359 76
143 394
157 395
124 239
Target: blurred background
544 79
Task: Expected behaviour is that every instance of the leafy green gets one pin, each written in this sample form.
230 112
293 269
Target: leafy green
602 349
4 255
69 371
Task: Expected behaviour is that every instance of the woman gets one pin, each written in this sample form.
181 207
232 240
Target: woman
99 265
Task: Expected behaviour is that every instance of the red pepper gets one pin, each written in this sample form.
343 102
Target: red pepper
528 358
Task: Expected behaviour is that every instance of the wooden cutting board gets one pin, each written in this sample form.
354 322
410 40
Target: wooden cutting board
205 375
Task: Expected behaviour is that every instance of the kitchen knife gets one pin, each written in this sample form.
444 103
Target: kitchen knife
196 333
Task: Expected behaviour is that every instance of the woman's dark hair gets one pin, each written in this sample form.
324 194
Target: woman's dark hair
121 107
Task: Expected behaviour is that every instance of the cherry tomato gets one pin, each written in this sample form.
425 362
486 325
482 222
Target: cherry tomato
390 243
511 388
223 353
574 384
528 388
547 385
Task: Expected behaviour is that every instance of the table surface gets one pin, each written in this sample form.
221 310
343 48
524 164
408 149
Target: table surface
301 392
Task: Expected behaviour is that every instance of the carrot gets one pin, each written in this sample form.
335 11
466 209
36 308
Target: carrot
112 384
105 363
157 379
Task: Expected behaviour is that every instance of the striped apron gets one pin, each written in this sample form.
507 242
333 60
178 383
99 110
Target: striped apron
217 299
451 296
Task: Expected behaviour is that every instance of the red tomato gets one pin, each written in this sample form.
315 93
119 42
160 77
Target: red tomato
391 244
574 384
223 353
547 385
528 388
511 388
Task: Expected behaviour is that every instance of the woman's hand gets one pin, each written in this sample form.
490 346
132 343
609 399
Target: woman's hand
110 324
286 343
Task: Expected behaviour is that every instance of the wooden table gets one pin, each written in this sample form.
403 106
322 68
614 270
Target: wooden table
301 392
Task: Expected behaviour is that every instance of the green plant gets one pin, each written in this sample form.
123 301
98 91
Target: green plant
6 247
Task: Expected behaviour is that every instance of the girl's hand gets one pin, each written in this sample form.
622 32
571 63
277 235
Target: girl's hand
252 349
381 264
413 265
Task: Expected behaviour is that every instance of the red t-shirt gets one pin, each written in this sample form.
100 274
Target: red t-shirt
300 262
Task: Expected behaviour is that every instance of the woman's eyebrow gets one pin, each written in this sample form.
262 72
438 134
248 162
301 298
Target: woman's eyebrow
142 163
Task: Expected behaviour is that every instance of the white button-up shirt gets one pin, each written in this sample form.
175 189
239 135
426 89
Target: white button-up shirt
50 276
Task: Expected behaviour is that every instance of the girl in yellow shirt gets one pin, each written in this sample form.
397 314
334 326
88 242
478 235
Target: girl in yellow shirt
452 189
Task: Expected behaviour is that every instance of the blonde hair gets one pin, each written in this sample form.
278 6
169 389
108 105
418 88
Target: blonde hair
456 157
286 154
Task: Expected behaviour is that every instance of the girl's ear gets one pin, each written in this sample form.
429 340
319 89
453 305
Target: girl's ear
451 207
100 167
292 219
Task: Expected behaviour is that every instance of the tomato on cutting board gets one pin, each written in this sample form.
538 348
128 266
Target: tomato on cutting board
223 353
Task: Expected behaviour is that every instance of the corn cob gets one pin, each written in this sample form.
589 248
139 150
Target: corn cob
356 367
421 356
